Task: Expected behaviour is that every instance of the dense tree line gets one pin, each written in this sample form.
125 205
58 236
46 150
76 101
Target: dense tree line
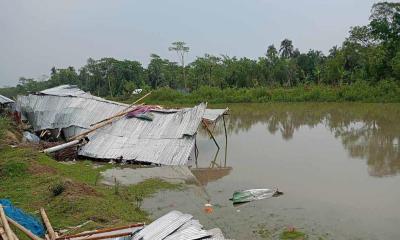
371 53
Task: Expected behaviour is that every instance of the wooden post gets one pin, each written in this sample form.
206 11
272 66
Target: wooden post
7 227
47 223
226 140
24 230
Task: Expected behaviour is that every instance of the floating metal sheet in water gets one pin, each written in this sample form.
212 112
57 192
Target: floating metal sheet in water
5 100
167 140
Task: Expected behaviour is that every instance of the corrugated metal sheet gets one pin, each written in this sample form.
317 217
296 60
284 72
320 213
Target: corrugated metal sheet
51 112
163 227
115 232
73 91
215 234
213 115
167 140
177 226
191 230
5 100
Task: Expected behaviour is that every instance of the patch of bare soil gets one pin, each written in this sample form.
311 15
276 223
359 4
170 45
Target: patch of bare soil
37 169
78 189
12 138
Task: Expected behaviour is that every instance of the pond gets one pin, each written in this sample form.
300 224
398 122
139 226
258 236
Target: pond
338 165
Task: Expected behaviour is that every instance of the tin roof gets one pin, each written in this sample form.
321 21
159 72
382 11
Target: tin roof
5 100
168 139
213 115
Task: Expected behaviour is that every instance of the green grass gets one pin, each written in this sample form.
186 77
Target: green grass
4 126
28 179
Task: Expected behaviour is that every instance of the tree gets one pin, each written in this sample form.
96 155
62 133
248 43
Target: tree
181 49
286 49
156 71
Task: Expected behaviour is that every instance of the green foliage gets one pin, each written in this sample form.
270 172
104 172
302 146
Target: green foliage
360 91
371 53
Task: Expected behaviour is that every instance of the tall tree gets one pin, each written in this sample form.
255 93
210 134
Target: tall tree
181 49
286 49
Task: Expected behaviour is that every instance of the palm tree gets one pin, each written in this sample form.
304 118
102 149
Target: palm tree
286 49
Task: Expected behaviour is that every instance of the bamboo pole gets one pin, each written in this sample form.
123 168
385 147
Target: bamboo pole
104 230
47 223
15 236
6 226
24 230
109 236
210 133
140 99
109 120
3 234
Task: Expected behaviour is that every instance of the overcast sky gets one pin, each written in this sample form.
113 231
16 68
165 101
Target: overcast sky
36 35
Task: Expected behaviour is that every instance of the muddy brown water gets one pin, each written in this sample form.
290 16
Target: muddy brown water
338 165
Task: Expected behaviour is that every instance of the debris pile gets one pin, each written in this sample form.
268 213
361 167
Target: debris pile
136 133
172 226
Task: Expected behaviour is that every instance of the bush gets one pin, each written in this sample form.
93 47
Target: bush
57 189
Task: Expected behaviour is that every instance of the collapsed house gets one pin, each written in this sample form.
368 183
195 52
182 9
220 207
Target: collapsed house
67 111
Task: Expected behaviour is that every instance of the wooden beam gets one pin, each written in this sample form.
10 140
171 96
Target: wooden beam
47 223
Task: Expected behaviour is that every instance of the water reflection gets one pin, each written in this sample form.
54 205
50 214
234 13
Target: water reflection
367 131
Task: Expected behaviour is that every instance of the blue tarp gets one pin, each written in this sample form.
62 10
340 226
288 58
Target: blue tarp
26 220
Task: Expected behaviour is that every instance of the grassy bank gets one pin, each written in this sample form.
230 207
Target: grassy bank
70 193
385 91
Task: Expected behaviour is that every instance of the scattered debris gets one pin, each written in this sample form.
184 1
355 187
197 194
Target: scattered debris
30 137
172 226
254 194
176 225
24 219
208 208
